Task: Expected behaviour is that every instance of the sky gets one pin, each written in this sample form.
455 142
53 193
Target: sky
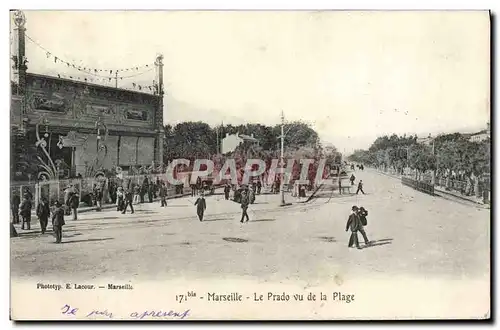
353 76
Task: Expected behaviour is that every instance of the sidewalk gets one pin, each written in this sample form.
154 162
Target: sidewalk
441 192
110 206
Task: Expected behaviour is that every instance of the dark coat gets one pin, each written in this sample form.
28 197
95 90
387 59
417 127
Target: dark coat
244 201
14 204
362 217
58 217
73 202
26 207
128 196
201 204
353 223
163 191
43 210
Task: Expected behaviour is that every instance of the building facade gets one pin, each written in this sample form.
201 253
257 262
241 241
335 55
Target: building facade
83 127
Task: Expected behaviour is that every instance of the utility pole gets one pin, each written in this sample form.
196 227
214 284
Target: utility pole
282 191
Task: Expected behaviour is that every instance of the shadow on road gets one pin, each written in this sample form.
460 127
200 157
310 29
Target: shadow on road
218 219
87 240
328 239
379 242
257 220
101 218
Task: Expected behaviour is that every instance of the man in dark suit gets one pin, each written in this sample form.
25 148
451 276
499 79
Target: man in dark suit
14 205
360 187
244 205
354 224
227 189
163 194
26 206
201 206
58 221
362 214
128 201
43 213
74 201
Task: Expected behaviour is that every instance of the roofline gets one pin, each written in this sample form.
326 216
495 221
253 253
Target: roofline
109 88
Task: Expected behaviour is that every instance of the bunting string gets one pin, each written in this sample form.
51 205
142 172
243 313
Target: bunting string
111 73
153 88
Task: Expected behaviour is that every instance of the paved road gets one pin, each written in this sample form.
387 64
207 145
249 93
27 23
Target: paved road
415 235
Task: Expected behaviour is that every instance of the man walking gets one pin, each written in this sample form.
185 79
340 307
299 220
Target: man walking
201 206
43 213
360 187
244 206
362 214
58 221
128 201
163 194
98 198
227 189
26 212
353 223
74 205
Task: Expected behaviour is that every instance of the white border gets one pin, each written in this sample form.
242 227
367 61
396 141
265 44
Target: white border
189 5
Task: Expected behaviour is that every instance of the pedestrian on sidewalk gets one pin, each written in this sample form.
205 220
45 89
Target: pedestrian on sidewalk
120 198
26 206
137 193
43 213
98 198
360 187
163 194
352 179
14 206
74 205
353 223
58 221
201 206
244 206
128 201
150 192
362 214
227 190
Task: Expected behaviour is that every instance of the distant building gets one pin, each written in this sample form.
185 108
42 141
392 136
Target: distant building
231 141
426 141
481 135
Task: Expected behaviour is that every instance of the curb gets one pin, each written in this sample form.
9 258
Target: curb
443 194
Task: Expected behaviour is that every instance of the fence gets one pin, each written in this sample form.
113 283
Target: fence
418 185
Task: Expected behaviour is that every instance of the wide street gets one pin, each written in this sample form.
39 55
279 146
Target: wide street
414 234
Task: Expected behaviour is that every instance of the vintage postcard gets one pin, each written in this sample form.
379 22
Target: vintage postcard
250 165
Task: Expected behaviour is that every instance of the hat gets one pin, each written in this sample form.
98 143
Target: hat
57 203
354 208
362 208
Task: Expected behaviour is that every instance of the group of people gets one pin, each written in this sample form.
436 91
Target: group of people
135 194
357 222
245 196
360 184
43 213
